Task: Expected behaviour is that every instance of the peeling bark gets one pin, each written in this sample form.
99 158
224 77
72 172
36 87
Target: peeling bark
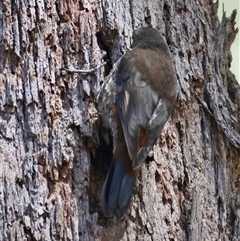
51 167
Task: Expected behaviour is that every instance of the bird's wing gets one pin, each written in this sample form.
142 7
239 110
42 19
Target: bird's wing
142 111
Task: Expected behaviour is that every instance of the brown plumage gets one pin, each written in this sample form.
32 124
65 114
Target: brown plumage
135 103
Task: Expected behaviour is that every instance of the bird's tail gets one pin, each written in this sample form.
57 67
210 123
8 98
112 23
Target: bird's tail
118 187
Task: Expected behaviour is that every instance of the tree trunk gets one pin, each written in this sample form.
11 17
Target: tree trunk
51 166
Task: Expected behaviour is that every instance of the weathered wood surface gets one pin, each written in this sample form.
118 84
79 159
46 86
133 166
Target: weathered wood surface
49 189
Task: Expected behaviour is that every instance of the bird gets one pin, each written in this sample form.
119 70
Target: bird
135 102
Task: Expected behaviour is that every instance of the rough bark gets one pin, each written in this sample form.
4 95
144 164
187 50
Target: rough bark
190 188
